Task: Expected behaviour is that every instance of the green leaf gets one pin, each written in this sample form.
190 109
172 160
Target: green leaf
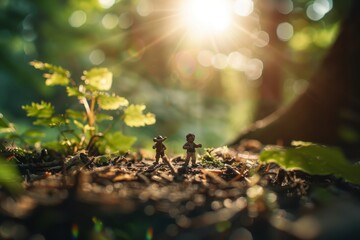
113 102
88 128
115 142
134 116
103 117
74 91
47 66
53 79
313 159
56 76
40 110
52 122
5 125
79 124
33 133
10 177
75 114
98 78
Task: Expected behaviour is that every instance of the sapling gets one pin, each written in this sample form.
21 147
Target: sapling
77 128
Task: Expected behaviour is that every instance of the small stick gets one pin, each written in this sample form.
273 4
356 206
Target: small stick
120 158
232 169
152 168
215 177
173 170
143 177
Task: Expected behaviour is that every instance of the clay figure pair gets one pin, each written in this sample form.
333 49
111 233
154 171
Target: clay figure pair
190 147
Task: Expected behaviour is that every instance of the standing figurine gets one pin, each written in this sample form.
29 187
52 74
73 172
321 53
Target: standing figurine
190 146
159 148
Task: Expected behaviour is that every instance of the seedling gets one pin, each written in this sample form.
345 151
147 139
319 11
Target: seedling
78 127
210 159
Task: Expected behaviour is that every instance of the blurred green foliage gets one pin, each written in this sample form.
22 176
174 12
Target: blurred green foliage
10 177
155 61
314 159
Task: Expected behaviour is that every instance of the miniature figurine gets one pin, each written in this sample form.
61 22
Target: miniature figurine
160 148
190 146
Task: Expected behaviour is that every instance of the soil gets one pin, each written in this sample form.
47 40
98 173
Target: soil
230 196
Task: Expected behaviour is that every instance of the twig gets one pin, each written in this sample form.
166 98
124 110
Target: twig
152 168
231 169
40 165
144 178
120 158
215 177
173 170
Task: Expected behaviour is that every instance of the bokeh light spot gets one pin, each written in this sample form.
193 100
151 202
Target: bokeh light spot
204 58
285 31
219 61
237 61
106 3
125 21
254 69
262 39
109 21
313 14
77 18
285 6
255 191
322 6
243 7
144 8
97 57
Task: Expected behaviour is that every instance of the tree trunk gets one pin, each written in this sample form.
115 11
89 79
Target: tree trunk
270 90
331 100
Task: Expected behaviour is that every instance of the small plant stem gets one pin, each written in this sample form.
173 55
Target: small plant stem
92 114
86 106
89 113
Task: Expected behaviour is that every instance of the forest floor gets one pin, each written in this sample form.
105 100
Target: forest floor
228 195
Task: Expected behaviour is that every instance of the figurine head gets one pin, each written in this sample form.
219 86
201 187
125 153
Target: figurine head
190 137
159 138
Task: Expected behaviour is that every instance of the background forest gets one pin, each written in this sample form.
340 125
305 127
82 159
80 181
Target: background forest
208 67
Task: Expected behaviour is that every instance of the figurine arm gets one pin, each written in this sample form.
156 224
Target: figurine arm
198 145
186 146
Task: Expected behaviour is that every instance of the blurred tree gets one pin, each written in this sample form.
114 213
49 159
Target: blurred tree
328 111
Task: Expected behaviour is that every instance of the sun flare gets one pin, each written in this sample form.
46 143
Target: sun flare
210 16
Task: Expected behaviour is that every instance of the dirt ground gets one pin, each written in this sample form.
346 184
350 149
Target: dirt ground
228 195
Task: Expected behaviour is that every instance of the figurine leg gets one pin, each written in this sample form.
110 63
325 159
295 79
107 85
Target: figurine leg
187 160
157 157
193 159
